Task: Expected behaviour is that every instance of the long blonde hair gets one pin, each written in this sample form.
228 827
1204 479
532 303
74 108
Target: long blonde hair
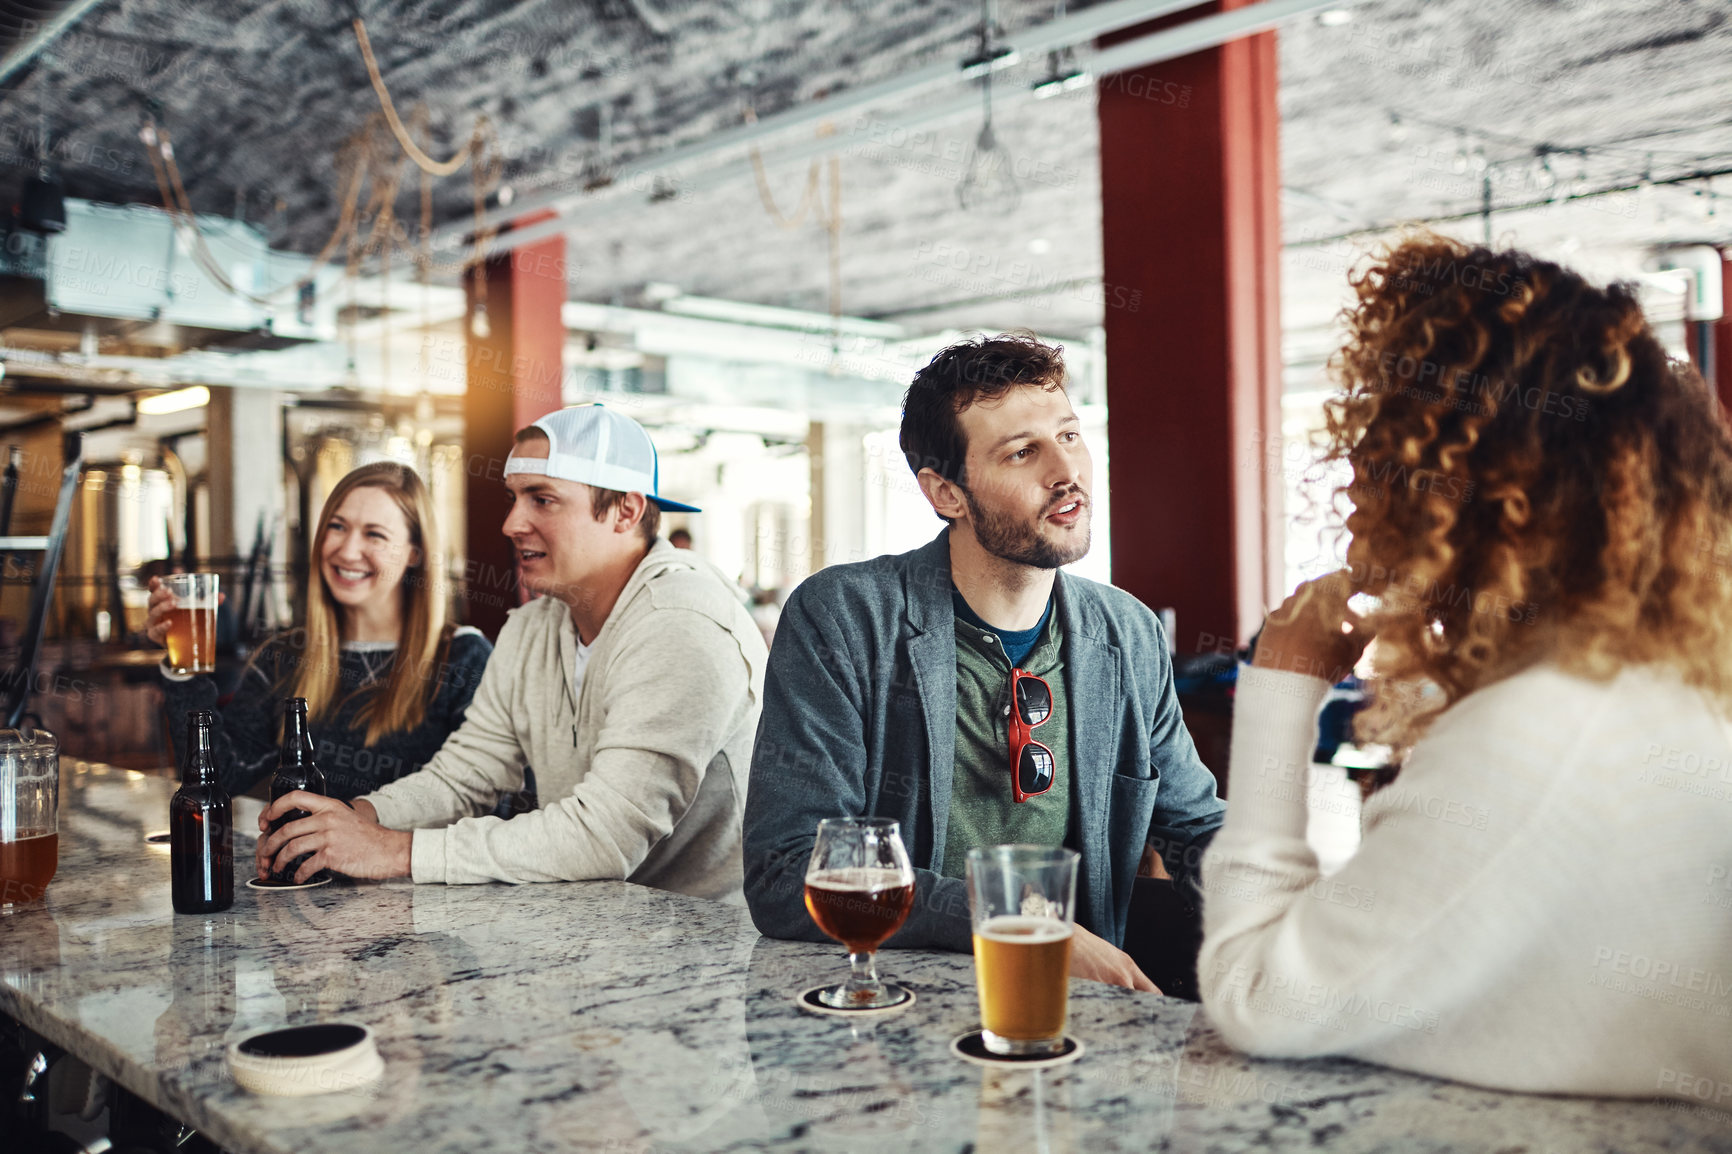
401 701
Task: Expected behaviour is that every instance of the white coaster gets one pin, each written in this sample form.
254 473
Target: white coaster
971 1048
256 884
808 1000
302 1060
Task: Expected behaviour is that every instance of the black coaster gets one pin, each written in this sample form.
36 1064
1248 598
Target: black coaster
267 884
971 1047
809 1002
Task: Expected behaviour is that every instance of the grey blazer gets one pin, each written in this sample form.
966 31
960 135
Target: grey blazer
860 718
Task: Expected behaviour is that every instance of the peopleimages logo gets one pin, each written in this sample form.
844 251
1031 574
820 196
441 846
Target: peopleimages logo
1660 971
1319 1003
1398 799
1420 480
1688 762
1684 1085
1239 882
1426 380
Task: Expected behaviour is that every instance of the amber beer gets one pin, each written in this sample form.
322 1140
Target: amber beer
859 889
192 623
27 865
29 813
859 907
1022 903
1022 970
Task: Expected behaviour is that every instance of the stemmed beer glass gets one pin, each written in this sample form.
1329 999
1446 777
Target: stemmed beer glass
859 889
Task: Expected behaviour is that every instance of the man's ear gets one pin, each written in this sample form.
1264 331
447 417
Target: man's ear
945 496
629 512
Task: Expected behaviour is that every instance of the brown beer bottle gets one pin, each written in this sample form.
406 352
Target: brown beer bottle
201 832
295 770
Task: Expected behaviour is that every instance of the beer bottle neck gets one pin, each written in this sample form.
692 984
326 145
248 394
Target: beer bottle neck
297 748
200 764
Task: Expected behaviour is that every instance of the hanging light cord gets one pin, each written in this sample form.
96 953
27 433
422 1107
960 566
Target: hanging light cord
426 163
768 198
366 161
172 189
811 206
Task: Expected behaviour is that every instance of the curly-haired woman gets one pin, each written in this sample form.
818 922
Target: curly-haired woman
1542 517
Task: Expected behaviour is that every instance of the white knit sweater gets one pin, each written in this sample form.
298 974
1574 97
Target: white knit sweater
640 774
1542 900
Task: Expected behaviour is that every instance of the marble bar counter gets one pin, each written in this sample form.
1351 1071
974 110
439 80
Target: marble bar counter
607 1016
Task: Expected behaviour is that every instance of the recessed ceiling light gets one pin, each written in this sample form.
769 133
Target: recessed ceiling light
190 398
1334 17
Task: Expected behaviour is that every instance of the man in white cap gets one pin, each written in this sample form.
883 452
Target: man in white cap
632 684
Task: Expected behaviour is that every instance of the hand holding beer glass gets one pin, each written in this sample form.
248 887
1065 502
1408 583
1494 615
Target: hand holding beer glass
183 613
1022 900
859 889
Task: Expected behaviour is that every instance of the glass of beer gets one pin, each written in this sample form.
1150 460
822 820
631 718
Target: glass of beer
859 889
1021 899
29 813
192 623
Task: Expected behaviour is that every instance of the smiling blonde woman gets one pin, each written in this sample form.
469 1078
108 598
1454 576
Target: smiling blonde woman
386 678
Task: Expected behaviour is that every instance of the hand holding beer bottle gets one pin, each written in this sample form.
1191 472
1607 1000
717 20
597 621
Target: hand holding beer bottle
295 770
859 889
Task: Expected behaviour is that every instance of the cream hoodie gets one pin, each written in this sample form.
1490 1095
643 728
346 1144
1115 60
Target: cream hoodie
641 776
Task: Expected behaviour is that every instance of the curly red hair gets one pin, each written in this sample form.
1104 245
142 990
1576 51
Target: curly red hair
1533 479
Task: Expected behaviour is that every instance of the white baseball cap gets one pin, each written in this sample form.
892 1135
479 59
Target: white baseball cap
594 445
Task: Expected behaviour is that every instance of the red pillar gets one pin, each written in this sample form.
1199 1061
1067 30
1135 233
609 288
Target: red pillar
1190 220
514 376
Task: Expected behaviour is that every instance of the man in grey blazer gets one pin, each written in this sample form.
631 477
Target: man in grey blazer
889 686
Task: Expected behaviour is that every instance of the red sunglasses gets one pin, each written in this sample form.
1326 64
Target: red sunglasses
1031 763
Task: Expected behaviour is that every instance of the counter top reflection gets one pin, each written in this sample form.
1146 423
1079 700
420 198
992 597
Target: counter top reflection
607 1016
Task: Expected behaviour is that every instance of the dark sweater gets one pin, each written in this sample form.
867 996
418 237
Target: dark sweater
249 728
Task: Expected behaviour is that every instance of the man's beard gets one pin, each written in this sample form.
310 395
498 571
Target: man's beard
1006 537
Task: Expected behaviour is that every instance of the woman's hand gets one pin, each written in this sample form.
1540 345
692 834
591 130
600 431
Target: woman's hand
161 602
1314 632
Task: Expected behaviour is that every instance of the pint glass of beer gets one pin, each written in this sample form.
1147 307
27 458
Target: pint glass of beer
1021 899
192 623
859 889
29 813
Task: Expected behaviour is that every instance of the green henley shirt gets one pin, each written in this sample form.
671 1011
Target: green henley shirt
983 810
